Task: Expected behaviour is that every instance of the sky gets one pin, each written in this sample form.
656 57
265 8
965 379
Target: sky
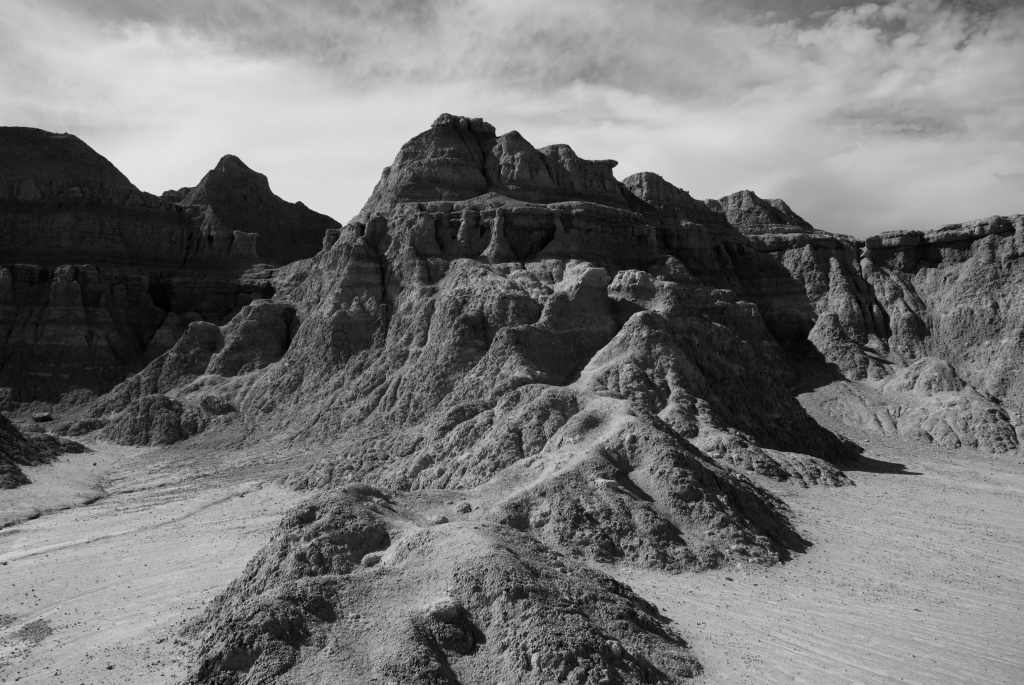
863 117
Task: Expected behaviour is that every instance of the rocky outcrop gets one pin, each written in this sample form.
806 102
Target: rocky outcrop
31 448
352 588
238 207
184 391
944 303
98 278
461 159
15 451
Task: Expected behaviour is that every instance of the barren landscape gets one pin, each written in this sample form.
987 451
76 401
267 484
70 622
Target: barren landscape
517 421
914 576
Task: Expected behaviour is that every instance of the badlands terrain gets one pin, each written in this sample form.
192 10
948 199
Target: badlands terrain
517 421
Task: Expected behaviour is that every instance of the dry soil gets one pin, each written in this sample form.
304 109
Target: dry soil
914 576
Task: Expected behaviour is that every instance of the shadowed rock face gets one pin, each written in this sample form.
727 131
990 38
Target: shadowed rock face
97 278
236 201
19 449
15 451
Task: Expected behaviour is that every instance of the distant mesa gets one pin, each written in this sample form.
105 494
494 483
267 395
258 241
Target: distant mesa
97 277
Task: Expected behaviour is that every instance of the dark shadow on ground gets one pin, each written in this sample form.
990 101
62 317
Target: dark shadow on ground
868 465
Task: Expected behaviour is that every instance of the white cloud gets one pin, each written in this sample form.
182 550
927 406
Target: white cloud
906 115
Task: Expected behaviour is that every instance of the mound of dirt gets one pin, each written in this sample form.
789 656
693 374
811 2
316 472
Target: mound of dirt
355 587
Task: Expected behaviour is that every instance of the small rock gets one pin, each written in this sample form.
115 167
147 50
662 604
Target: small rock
438 520
42 417
444 610
371 559
464 508
615 648
729 579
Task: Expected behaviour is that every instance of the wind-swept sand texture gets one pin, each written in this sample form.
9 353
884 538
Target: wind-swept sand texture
914 577
98 593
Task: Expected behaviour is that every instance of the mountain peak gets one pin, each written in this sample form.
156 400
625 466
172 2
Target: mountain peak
231 176
40 166
755 215
460 158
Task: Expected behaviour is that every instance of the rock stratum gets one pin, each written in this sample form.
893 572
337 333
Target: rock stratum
97 278
509 365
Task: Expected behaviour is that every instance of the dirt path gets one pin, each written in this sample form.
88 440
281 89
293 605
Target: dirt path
911 579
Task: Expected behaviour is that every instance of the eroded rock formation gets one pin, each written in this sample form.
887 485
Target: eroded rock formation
354 587
29 448
931 322
97 277
597 370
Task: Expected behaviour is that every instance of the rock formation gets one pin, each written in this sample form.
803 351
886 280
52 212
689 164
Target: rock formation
596 370
29 448
98 278
929 321
354 587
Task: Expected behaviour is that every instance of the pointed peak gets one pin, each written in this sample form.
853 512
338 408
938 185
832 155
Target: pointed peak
230 175
653 188
753 214
232 166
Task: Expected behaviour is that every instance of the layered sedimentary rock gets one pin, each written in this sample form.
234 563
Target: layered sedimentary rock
594 370
564 353
97 278
945 303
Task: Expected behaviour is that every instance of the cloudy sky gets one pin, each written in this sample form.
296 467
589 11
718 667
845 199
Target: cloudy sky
864 117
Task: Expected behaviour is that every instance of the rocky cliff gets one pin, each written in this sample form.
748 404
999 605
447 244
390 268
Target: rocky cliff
929 321
97 277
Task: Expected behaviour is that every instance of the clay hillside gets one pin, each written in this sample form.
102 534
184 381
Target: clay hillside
508 369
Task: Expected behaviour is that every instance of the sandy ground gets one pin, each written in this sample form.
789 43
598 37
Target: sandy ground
97 593
70 481
913 577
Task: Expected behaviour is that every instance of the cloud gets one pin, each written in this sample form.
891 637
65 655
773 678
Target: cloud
874 117
1015 178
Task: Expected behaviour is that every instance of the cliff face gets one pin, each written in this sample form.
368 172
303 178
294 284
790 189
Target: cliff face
97 277
930 320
